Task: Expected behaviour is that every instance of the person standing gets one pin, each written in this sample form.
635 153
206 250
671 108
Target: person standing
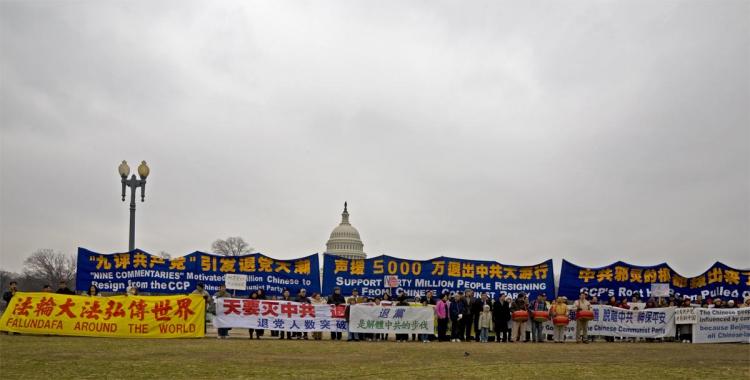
93 291
425 338
201 291
402 337
476 309
537 328
316 300
500 318
302 298
457 316
519 327
468 315
352 336
429 298
336 299
63 289
357 297
443 316
285 296
8 295
254 296
582 326
559 308
485 323
223 332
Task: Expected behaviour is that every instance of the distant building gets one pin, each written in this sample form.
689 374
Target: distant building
345 240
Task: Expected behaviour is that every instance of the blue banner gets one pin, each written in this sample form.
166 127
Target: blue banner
416 277
271 275
623 280
117 272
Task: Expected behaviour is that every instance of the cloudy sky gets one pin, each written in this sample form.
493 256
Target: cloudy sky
593 131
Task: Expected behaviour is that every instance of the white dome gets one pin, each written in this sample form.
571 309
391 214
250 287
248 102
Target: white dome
345 240
345 231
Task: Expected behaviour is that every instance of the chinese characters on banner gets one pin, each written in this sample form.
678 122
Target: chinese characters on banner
119 271
118 316
392 319
278 315
415 277
624 280
613 321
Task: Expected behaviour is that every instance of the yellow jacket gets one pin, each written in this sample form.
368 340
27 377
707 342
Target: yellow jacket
560 309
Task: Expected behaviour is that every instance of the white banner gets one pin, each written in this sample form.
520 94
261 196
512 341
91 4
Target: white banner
392 319
685 316
660 290
613 321
278 315
722 325
235 281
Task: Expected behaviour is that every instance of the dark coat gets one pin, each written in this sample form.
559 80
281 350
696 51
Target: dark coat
478 306
501 312
519 304
346 313
65 291
430 301
468 303
336 299
455 309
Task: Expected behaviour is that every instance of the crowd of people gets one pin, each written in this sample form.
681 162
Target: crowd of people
460 317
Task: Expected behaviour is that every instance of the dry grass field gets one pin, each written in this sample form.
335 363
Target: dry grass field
54 357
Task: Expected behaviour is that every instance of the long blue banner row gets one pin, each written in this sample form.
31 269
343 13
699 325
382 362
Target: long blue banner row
371 277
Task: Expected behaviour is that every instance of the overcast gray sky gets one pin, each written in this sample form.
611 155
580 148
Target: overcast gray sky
593 131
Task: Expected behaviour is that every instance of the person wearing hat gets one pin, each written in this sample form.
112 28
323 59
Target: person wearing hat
485 323
718 304
582 326
336 299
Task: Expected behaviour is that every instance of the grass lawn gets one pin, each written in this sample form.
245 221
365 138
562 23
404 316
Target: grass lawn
54 357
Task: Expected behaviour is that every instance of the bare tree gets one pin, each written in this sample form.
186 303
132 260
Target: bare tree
51 267
232 246
5 279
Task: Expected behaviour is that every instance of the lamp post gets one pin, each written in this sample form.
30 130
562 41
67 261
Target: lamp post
133 183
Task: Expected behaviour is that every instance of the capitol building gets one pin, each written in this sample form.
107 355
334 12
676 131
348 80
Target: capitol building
344 240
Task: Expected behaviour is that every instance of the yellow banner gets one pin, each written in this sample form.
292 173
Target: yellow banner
118 316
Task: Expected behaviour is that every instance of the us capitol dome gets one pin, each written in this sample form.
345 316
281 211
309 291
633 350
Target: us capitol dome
345 240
